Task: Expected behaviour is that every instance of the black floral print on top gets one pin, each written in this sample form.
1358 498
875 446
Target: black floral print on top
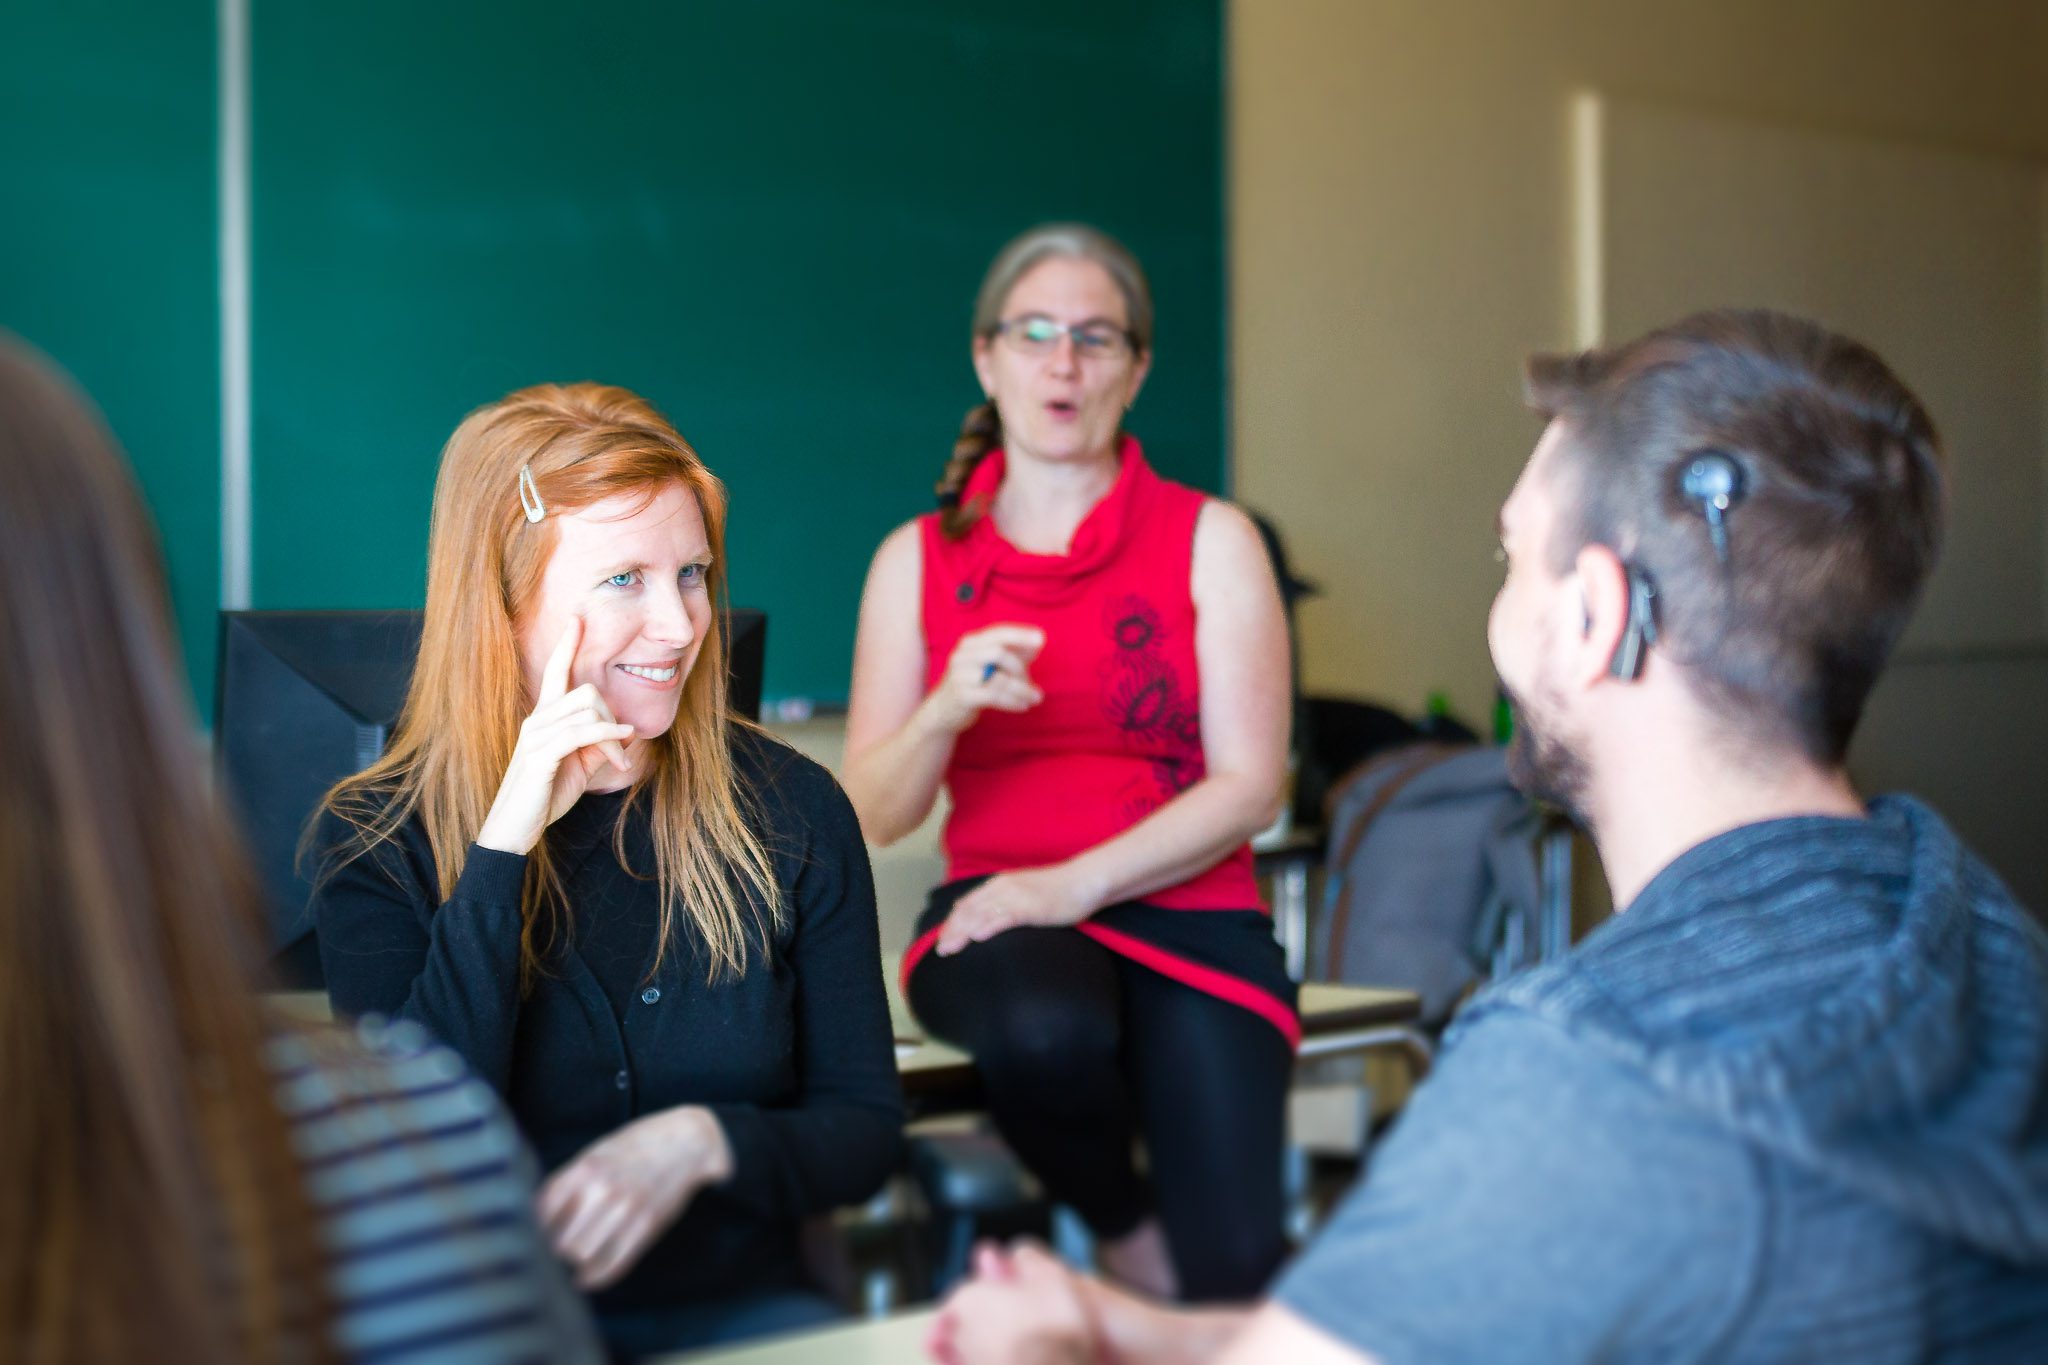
1144 698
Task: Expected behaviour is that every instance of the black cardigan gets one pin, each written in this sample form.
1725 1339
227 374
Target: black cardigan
795 1057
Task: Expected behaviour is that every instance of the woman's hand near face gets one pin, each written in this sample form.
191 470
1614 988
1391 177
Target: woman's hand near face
605 1208
990 669
570 735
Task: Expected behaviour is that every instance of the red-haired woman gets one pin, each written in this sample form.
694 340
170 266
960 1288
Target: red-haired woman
1093 661
649 925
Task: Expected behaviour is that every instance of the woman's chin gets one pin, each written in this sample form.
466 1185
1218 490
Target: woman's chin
649 727
1070 444
648 721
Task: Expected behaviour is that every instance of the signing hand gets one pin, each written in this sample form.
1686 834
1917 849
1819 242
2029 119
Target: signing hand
990 669
605 1208
569 736
1023 1307
1043 896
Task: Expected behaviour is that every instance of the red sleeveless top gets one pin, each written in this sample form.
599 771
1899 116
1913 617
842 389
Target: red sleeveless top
1117 735
1119 732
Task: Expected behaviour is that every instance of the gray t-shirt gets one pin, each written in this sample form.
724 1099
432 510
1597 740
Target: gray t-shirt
1790 1106
1535 1203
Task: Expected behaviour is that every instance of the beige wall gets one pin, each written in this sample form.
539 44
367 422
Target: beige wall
1400 228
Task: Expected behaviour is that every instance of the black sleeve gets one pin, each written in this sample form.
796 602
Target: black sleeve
844 1135
387 948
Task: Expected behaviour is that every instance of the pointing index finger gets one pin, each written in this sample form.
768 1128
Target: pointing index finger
554 678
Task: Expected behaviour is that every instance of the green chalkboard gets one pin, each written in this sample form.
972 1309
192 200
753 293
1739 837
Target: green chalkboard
768 217
107 250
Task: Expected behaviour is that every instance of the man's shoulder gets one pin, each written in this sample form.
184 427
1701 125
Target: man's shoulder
1537 1106
1528 1148
1505 1056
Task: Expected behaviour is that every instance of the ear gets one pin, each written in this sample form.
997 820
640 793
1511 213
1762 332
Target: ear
984 365
1603 586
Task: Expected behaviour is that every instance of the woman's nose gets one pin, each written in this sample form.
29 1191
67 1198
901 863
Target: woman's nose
670 620
1066 356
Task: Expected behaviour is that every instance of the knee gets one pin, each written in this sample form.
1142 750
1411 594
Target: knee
1054 1042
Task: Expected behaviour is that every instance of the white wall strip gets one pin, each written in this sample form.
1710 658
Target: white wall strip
1588 158
232 86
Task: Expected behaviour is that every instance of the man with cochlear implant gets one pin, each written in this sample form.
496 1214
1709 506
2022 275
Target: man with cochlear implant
1791 1102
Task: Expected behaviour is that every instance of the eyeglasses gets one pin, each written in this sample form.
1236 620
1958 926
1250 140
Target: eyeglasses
1038 335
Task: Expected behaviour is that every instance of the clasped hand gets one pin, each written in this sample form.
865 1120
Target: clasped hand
1022 1307
606 1207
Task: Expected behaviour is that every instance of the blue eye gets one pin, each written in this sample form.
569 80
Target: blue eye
692 573
1096 339
621 580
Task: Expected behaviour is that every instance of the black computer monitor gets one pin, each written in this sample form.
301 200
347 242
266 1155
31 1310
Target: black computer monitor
304 698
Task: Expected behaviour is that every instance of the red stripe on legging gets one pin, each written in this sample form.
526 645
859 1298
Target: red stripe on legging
1207 980
914 954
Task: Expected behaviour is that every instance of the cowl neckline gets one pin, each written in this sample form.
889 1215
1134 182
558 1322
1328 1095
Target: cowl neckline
1047 578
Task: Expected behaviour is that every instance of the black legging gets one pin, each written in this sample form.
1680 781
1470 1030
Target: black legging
1081 1050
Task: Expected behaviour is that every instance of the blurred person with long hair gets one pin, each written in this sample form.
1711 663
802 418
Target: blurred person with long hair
648 924
1093 662
182 1175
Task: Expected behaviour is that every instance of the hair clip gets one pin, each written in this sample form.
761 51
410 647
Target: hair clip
529 496
950 498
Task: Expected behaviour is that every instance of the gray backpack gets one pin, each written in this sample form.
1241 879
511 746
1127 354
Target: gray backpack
1433 878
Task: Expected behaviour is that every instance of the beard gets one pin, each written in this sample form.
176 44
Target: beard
1542 765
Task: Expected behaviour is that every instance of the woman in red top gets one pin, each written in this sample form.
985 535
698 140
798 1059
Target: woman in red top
1093 661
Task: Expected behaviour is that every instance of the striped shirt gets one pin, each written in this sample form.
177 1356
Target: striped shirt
425 1197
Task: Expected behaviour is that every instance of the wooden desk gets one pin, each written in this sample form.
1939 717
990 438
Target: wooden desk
895 1339
940 1079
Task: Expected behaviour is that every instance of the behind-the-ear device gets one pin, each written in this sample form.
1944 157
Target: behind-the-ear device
1638 628
1714 481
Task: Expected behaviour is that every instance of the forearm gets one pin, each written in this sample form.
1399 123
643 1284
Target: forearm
459 979
1134 1331
894 782
1186 836
798 1162
700 1143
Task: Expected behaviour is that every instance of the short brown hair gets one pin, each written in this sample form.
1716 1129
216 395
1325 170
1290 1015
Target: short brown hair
1828 548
